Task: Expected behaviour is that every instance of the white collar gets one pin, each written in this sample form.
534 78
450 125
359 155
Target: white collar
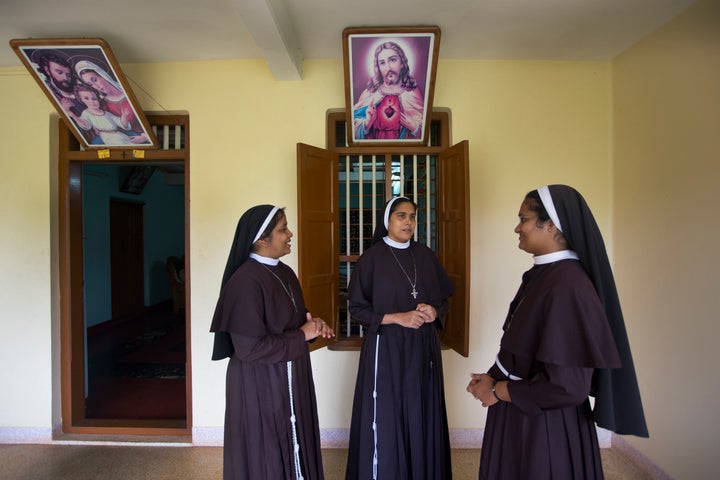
555 256
265 260
395 244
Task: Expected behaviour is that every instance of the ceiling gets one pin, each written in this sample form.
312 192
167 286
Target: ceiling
284 32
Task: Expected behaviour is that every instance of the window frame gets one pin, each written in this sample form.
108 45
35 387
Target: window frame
457 220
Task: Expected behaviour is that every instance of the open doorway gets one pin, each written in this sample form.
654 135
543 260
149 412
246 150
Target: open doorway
133 260
123 244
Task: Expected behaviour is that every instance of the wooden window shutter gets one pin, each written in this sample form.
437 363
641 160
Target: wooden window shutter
318 229
454 241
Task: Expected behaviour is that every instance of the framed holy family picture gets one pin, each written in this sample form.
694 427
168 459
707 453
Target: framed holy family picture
84 82
389 83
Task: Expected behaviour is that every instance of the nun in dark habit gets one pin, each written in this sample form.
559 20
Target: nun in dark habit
564 340
399 293
262 325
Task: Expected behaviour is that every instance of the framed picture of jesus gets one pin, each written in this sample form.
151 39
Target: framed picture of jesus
389 83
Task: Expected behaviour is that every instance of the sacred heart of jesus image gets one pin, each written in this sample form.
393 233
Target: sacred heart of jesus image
387 124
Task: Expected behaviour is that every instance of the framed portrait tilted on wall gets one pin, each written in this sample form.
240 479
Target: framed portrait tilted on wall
389 83
84 82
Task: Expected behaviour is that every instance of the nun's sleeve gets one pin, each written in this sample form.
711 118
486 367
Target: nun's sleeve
553 387
360 297
283 347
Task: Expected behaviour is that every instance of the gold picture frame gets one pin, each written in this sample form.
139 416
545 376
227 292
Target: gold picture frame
84 82
389 83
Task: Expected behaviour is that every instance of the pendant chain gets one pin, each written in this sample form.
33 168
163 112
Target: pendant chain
414 292
287 289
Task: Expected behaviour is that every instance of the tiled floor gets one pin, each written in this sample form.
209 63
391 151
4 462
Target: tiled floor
102 462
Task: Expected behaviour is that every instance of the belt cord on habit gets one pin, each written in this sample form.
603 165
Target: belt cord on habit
374 425
296 445
504 370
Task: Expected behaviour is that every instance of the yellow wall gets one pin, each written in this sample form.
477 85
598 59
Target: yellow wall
528 123
637 136
25 299
666 113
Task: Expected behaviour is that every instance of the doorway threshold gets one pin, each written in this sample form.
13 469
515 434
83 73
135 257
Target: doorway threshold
166 431
166 440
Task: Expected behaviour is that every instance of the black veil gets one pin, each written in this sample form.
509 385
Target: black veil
618 406
247 229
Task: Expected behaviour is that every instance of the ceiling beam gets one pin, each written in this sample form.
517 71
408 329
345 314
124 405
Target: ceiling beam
270 25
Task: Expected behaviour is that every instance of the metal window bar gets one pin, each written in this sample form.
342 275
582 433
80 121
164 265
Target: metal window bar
361 205
348 266
361 236
415 190
427 203
374 193
170 137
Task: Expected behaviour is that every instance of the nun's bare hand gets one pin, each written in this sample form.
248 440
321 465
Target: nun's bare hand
412 319
323 328
316 327
480 387
429 310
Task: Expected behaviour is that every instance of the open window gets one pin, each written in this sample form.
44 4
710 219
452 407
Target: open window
340 190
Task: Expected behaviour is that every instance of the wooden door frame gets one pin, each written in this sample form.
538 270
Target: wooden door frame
70 262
